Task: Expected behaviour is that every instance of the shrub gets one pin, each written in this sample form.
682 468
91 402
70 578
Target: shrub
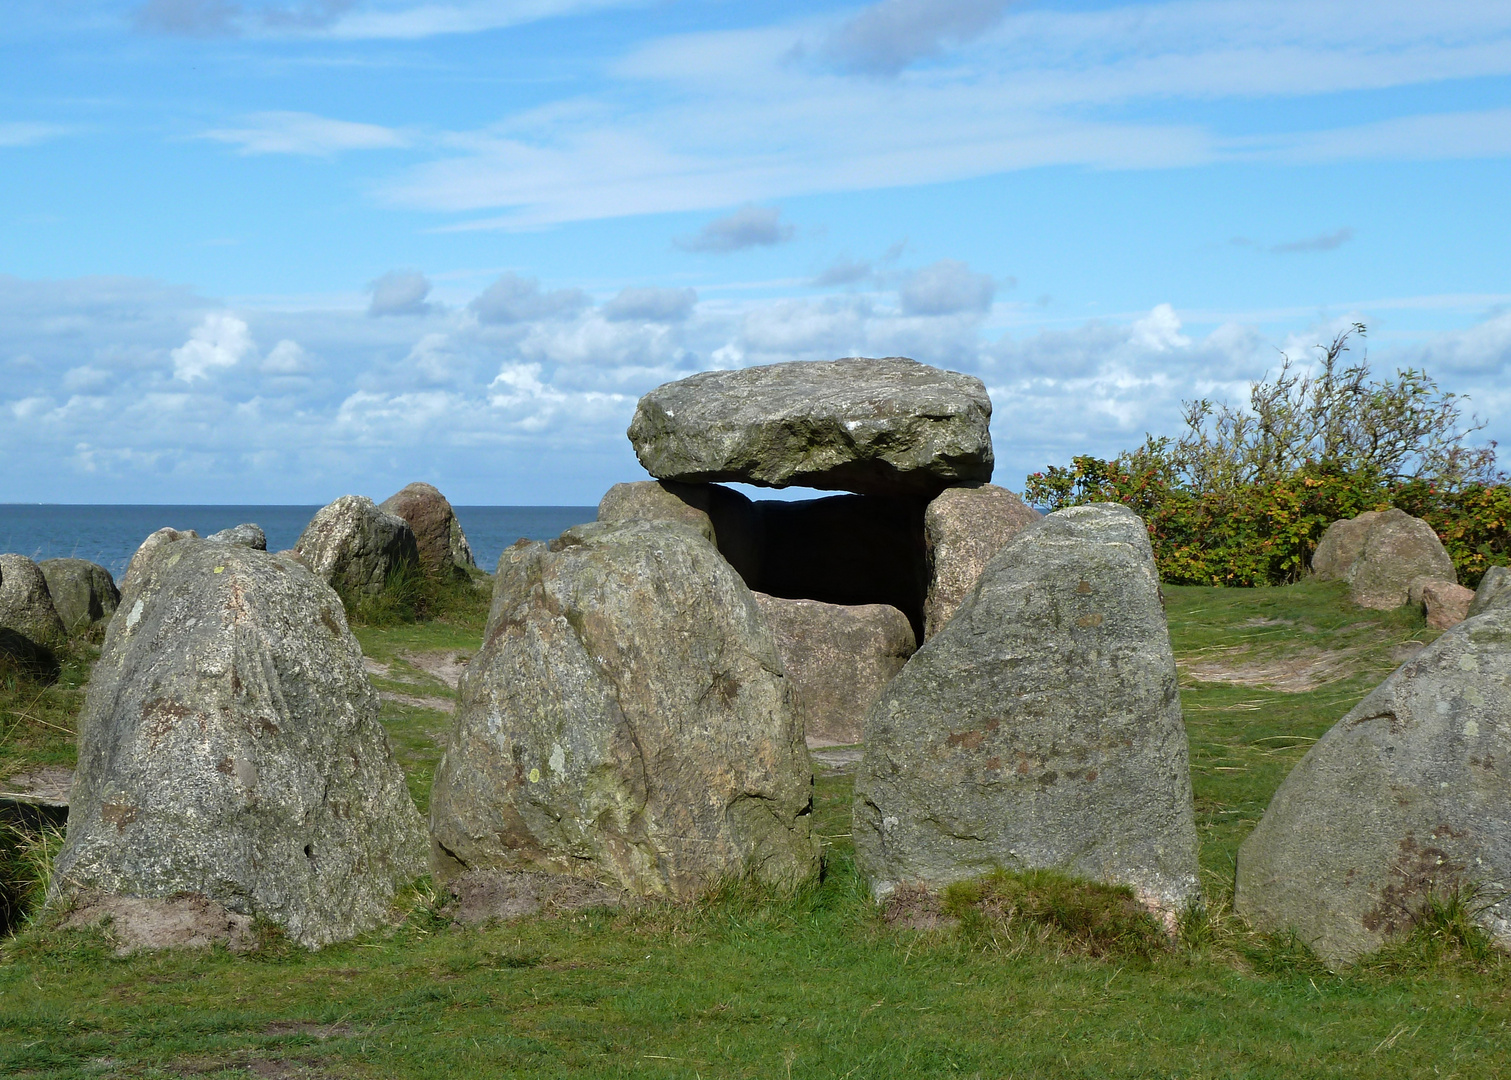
1244 496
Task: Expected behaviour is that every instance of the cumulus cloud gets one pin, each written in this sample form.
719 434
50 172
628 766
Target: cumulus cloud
220 341
886 37
305 133
399 292
947 287
749 226
286 358
1323 242
1159 331
651 305
513 299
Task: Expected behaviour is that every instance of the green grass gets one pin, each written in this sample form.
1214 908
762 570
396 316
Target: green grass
1027 976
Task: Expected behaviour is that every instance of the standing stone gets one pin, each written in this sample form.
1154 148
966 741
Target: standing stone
627 721
963 528
136 569
1040 728
230 747
1407 795
726 517
248 535
879 427
1341 545
25 604
837 659
352 545
1494 591
83 592
1444 603
1398 548
438 534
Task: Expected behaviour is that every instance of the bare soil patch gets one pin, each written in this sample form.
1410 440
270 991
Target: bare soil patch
835 759
914 907
447 665
414 701
185 921
480 896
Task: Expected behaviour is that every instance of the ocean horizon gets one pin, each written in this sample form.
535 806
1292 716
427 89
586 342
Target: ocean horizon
110 534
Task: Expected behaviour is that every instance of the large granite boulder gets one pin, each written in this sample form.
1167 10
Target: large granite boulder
353 546
1341 545
1397 549
1041 727
438 534
880 427
1494 591
726 517
83 593
230 747
1408 794
246 535
626 721
963 528
136 569
1444 604
25 604
837 659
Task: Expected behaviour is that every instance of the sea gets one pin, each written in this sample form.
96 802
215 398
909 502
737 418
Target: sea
109 535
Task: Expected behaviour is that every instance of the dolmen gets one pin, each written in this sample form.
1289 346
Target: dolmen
1406 799
230 752
639 710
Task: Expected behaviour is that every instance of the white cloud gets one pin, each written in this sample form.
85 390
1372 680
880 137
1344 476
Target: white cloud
888 36
24 133
534 410
286 358
513 299
651 304
749 226
1322 242
432 19
843 271
946 287
306 133
1159 331
399 292
220 341
192 18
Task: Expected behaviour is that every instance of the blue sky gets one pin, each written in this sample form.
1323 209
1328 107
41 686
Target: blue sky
258 251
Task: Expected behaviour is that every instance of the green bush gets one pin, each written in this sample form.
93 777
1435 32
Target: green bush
1244 496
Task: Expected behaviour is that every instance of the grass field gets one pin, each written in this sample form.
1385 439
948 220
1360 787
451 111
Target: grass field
814 984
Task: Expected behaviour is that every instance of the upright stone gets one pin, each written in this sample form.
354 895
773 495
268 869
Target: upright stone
247 535
351 544
1407 795
1397 549
230 746
1041 727
438 534
1341 545
963 528
876 427
1444 603
627 721
1494 591
83 592
726 517
25 604
136 569
837 659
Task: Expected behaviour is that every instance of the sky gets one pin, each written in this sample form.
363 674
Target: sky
276 251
